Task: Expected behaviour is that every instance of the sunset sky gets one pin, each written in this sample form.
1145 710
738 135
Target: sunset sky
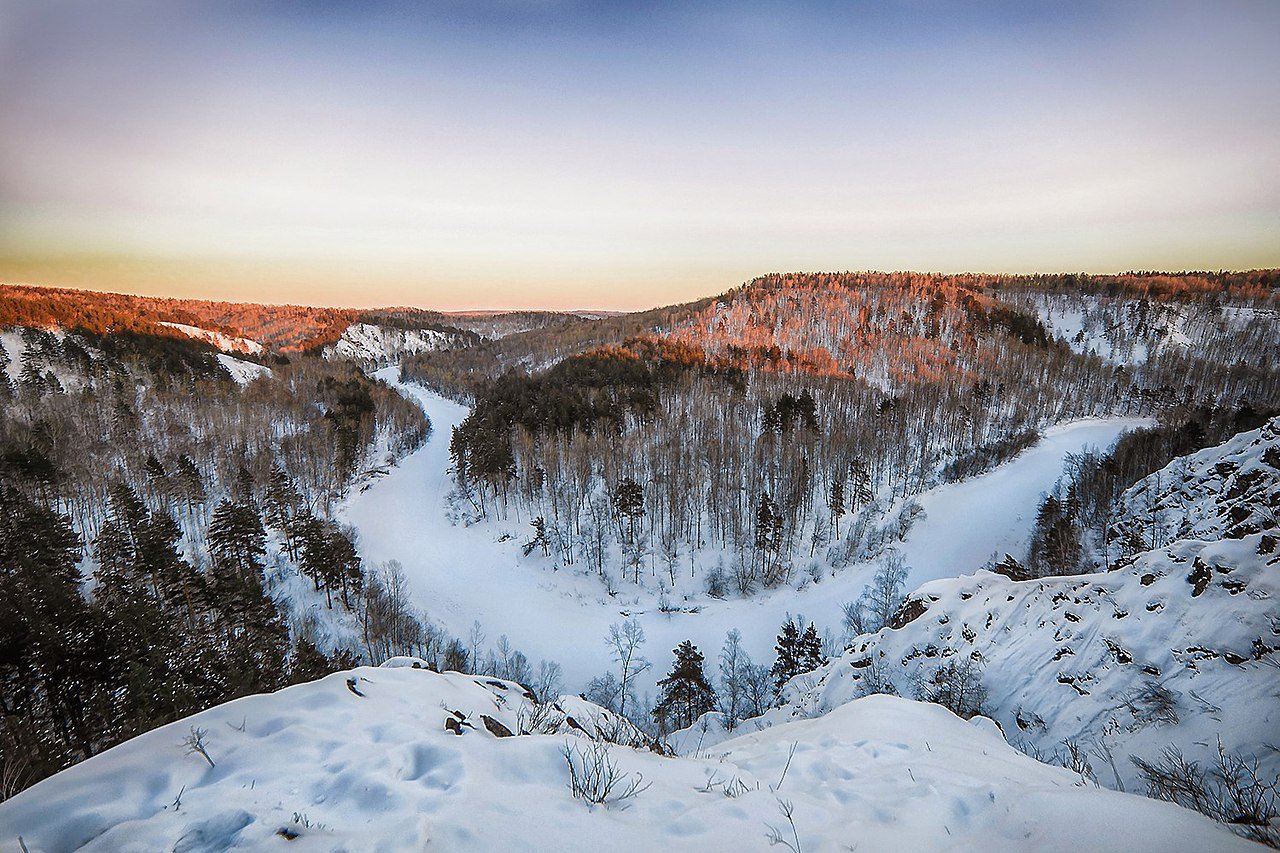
558 154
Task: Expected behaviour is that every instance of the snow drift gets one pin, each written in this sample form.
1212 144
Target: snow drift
368 760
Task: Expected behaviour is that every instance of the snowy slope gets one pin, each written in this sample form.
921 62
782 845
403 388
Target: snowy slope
1131 331
226 343
1085 658
379 345
967 523
242 371
378 770
18 351
460 574
1226 491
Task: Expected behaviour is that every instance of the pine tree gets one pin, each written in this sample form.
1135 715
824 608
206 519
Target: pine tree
809 650
628 503
57 670
787 665
836 502
256 636
686 694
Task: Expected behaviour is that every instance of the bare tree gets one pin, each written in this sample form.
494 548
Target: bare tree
625 640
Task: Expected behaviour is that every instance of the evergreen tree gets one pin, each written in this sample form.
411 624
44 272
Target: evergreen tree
256 636
809 650
836 502
57 668
686 695
787 664
628 503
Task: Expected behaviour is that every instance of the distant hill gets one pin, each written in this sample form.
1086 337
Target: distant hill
281 328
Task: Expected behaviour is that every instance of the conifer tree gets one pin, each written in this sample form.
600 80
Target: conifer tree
686 694
809 650
787 664
628 503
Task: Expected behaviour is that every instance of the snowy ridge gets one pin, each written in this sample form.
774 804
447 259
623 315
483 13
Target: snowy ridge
1130 332
1221 492
397 758
226 343
1178 647
381 345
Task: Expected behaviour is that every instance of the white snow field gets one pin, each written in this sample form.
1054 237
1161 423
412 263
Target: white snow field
459 575
319 767
242 371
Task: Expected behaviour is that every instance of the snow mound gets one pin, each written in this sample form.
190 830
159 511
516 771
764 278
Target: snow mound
226 343
364 761
374 345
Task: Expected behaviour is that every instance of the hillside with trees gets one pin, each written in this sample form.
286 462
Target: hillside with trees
783 428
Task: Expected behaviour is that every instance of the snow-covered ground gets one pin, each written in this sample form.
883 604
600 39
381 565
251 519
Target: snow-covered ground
966 523
226 343
371 344
1178 647
363 761
242 371
459 575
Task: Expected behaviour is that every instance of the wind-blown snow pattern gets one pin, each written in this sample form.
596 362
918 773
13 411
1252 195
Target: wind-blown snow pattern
369 760
1179 647
461 574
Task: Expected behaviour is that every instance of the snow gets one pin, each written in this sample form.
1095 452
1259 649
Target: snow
460 575
1063 658
15 347
362 761
1132 331
966 523
242 371
372 344
226 343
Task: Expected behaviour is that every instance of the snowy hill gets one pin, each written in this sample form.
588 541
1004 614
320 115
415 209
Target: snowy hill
1221 492
1176 648
381 345
397 758
226 343
1132 331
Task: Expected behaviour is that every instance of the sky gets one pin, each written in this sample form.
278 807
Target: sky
572 155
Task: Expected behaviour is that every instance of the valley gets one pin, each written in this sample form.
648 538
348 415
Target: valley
884 542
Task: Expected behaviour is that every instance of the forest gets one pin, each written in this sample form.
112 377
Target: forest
780 430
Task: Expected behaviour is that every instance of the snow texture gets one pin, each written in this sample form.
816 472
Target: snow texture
368 760
242 371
